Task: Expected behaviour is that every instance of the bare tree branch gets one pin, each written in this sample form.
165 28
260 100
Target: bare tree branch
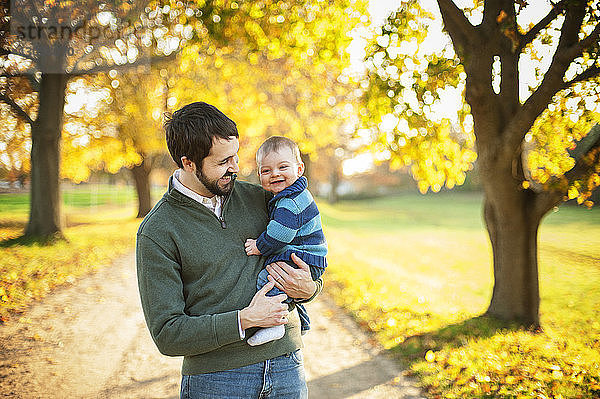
506 33
35 84
16 108
589 73
537 28
576 50
552 82
569 33
16 75
491 10
458 26
583 147
6 52
105 68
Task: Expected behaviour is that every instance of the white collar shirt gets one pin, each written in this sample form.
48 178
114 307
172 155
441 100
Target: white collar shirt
215 204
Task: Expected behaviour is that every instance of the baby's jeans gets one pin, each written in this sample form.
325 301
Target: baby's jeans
315 272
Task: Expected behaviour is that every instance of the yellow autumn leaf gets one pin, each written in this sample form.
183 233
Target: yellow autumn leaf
423 186
430 356
510 380
573 193
557 374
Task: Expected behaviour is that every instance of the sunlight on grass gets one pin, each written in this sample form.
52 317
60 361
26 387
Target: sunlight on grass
417 272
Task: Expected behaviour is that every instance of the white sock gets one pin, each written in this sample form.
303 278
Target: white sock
267 334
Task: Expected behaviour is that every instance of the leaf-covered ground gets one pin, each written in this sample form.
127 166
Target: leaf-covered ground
416 270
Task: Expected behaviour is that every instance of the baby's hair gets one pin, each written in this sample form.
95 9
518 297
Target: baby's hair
275 143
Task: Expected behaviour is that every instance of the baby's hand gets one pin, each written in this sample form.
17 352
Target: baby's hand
251 247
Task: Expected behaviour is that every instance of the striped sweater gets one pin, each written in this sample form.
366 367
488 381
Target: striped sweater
295 227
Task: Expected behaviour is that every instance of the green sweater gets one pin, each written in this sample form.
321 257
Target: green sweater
194 275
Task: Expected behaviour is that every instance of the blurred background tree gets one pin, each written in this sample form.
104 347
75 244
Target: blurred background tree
119 126
15 143
34 78
309 102
41 53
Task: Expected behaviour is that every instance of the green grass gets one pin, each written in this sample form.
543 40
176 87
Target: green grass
16 205
100 226
416 270
95 195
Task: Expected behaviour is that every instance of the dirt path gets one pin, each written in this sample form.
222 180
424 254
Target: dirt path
341 361
90 341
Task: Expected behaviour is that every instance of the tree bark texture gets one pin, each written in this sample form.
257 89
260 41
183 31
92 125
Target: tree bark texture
141 177
512 225
45 215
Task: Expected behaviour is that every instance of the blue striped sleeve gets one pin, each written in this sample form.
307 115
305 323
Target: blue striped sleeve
267 245
281 230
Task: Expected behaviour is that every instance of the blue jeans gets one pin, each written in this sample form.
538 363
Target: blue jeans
262 279
281 378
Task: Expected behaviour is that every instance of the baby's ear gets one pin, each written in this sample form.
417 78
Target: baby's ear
300 169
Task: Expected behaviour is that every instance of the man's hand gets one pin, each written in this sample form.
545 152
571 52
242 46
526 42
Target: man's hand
296 283
251 248
264 311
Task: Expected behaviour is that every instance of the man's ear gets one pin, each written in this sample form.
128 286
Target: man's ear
188 165
300 169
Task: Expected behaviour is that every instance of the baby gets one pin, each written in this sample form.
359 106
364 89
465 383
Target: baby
294 226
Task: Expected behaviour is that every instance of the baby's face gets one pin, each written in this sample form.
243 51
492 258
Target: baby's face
278 170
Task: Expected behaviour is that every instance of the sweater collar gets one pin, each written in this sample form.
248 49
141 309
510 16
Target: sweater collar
298 186
177 195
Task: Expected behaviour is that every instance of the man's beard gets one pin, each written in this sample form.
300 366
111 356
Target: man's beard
213 185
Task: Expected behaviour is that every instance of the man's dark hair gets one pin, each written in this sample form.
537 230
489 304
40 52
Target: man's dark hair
191 129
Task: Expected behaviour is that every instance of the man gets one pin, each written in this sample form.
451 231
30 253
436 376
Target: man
197 286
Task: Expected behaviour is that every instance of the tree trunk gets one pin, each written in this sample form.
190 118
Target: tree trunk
334 180
45 212
512 224
141 176
307 167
